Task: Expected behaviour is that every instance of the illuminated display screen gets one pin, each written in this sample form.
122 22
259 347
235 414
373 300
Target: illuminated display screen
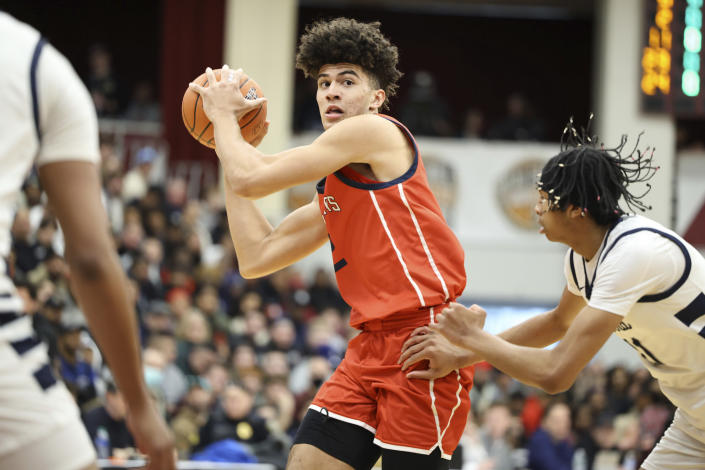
672 65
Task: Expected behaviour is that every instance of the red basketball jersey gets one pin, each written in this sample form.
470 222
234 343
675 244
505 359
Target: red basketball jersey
392 248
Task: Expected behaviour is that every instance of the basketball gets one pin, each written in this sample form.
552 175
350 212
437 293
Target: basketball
198 124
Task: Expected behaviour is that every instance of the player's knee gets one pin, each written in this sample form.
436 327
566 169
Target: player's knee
298 457
306 457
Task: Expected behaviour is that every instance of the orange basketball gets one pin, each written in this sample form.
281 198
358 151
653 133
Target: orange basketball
198 124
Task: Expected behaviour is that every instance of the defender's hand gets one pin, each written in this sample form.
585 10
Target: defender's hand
457 323
152 437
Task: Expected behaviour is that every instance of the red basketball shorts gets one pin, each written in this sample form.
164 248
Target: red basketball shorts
370 390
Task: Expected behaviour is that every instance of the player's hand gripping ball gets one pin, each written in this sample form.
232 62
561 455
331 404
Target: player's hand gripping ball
252 124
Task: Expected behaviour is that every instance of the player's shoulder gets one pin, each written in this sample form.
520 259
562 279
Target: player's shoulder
635 230
11 26
366 130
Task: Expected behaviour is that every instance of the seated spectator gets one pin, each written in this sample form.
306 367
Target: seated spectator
520 123
173 380
498 434
102 83
473 125
190 417
137 180
549 446
143 106
425 111
74 369
233 418
108 421
157 319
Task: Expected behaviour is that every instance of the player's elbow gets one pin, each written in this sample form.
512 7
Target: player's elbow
243 186
89 263
251 272
556 381
252 268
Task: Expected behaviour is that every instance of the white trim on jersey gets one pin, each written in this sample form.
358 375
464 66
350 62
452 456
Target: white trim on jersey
413 450
17 329
356 422
396 250
431 261
457 404
11 304
435 415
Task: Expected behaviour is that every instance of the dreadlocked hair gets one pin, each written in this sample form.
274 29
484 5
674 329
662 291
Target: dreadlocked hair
589 176
345 40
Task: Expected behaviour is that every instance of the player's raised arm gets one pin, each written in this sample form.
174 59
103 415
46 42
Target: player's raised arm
359 138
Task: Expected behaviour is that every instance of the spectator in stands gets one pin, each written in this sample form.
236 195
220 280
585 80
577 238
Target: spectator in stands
550 447
76 372
112 199
425 111
137 180
473 125
233 418
498 434
102 83
22 246
143 106
520 123
324 292
108 420
191 416
174 383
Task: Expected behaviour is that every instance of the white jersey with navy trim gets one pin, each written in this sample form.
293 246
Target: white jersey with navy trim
42 98
656 281
47 116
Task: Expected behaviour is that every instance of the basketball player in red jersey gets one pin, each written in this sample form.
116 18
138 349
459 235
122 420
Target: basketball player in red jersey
396 260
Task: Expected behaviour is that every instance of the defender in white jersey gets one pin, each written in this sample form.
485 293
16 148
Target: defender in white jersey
625 274
48 119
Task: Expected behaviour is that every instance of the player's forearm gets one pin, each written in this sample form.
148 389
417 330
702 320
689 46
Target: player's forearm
240 160
101 290
530 365
537 332
248 229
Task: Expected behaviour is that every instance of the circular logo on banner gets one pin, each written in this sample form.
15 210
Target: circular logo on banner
516 192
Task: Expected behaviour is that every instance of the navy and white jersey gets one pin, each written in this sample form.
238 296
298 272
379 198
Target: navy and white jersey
47 116
653 278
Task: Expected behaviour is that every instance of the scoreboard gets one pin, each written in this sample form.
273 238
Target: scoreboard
672 65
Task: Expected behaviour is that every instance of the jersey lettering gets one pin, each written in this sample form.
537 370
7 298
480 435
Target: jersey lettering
330 204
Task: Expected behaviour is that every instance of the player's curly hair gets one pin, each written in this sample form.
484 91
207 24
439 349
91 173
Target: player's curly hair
589 176
347 40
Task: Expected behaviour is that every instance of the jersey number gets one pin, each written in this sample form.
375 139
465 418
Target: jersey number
341 263
643 350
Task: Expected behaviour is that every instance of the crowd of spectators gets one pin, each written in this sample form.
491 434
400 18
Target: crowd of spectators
232 361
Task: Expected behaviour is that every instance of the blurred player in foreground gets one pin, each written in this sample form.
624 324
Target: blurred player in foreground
49 119
397 262
625 274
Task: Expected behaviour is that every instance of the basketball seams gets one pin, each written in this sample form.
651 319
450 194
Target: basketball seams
199 121
258 110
